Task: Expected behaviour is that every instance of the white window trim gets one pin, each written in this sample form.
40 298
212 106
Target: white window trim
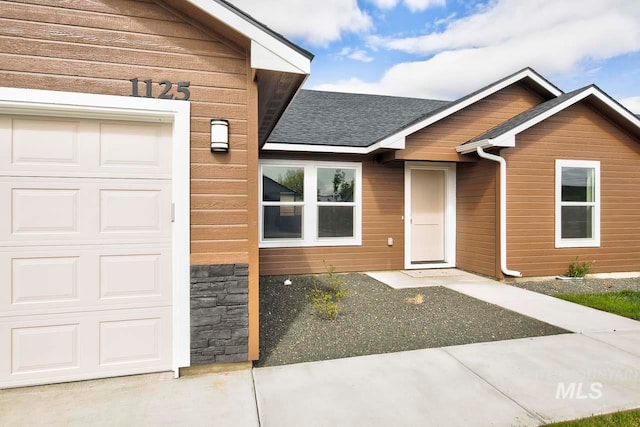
85 105
310 204
578 243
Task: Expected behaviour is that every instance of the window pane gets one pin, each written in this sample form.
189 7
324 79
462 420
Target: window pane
577 222
336 185
282 184
578 184
282 222
335 221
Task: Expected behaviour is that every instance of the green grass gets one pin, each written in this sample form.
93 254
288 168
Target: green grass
626 419
623 303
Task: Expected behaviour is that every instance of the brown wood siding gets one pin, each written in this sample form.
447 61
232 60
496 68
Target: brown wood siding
382 212
577 133
97 46
438 141
476 205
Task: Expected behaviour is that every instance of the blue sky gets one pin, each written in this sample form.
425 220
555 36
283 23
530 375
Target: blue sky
444 49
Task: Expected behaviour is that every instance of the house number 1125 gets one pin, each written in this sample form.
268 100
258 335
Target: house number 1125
182 89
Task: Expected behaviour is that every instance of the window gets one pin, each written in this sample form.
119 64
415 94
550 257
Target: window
307 203
283 202
577 203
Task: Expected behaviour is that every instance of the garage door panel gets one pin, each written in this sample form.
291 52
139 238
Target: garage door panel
79 278
84 148
44 142
44 279
37 211
44 348
130 210
68 347
131 276
134 145
59 211
130 341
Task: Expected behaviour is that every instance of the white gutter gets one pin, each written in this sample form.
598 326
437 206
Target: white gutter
503 210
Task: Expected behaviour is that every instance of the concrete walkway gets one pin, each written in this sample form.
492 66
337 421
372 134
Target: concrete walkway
518 382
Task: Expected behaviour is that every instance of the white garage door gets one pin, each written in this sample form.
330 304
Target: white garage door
85 249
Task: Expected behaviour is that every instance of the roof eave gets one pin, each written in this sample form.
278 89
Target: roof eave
338 149
471 147
507 139
267 50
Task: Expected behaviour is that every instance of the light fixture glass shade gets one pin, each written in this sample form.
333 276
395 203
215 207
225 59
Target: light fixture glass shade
219 135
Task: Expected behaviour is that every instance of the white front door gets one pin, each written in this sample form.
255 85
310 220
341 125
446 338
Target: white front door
429 215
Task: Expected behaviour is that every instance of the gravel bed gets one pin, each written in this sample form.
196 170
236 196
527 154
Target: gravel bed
577 286
375 318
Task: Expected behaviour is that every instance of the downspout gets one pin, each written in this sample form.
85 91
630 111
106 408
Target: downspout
503 210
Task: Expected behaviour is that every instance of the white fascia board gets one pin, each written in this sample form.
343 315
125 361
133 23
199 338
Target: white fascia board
267 42
615 106
308 148
264 59
471 147
592 91
472 100
508 141
397 144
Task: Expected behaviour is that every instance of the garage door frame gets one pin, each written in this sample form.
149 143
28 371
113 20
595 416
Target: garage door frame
83 105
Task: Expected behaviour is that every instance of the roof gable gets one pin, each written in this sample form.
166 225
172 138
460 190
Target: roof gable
395 137
504 134
269 50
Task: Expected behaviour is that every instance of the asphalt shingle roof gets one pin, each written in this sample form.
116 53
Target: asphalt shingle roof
357 120
347 119
526 116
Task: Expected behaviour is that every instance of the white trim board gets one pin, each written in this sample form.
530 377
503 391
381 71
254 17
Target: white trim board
449 214
267 51
54 103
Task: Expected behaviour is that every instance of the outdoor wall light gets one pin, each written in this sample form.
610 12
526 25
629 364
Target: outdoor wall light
219 135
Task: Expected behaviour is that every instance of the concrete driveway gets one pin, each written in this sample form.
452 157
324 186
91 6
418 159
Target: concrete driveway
222 399
518 382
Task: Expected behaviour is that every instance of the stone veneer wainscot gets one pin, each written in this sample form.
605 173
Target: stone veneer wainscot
219 313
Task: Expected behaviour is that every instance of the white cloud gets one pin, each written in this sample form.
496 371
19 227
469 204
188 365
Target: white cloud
412 5
420 5
632 103
355 54
554 37
317 22
385 4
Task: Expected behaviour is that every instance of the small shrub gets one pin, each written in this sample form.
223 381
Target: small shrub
333 280
579 269
325 299
324 303
418 299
